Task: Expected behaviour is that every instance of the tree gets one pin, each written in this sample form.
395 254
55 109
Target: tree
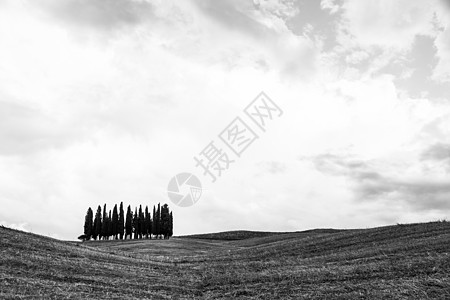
136 224
88 224
97 223
171 225
158 221
141 222
110 225
115 222
165 219
105 223
154 221
121 225
148 223
129 223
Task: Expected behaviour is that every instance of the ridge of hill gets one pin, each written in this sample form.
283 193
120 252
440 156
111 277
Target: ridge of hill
248 234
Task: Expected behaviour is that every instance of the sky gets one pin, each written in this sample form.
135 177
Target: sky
106 101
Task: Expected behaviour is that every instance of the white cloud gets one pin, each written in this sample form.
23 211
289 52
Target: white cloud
329 5
442 42
442 17
388 24
21 226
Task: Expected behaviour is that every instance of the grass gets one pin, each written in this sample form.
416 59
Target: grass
231 235
246 234
410 261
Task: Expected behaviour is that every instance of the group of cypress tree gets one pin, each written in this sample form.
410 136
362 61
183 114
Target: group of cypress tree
137 225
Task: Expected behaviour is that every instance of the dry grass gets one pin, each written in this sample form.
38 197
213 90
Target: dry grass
395 262
231 235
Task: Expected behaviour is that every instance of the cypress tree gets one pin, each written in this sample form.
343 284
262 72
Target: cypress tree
165 219
158 221
150 226
136 224
115 222
88 224
110 227
171 224
141 222
105 223
121 224
147 223
129 223
105 226
97 224
154 221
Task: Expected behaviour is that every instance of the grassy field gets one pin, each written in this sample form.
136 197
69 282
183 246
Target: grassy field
394 262
246 234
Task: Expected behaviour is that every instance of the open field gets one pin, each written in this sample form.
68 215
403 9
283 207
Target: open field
246 234
394 262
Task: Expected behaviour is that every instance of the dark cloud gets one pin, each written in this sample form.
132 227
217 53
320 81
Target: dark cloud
369 184
446 3
232 14
104 15
422 60
437 152
295 54
344 166
419 195
312 20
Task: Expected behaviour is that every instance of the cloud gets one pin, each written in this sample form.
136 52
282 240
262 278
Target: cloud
103 102
26 130
261 19
341 165
437 156
329 5
437 128
235 15
385 36
420 194
102 15
415 70
378 181
262 30
442 42
439 152
20 226
387 24
274 167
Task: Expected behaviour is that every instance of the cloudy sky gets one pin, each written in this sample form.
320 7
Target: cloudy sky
105 101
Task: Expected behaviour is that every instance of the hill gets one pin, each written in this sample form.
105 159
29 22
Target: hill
38 267
231 235
393 262
246 234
